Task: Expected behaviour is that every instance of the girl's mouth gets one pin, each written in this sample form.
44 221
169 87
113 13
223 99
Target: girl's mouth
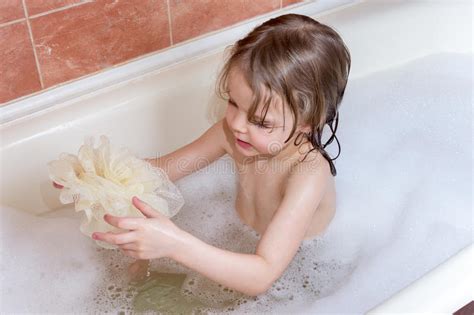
243 144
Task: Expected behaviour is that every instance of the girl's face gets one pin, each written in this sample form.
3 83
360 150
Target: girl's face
252 138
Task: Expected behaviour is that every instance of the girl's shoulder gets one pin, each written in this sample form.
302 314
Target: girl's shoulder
307 156
309 167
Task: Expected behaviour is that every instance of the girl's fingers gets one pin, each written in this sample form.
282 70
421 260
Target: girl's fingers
116 238
125 223
57 185
145 208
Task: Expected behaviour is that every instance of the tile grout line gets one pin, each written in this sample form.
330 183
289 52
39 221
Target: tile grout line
61 9
38 68
169 21
12 22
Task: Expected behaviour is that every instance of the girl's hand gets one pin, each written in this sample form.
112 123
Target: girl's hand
152 237
57 185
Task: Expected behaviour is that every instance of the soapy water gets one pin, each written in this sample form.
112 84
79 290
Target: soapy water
404 205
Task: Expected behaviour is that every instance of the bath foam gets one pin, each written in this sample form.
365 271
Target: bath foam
104 180
404 205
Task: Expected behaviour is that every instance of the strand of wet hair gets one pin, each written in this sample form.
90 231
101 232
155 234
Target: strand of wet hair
321 148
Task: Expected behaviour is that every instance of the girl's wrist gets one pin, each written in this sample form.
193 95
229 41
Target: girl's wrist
183 239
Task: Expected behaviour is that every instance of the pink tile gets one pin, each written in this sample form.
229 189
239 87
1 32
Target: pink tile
17 63
290 2
40 6
93 36
11 10
191 18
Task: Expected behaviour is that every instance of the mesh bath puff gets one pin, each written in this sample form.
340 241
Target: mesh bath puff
104 180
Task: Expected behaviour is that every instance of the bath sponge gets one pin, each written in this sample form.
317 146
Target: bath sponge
104 180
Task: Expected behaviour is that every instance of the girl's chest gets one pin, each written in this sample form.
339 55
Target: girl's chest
259 193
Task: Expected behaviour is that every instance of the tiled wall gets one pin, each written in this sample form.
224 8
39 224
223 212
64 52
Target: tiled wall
47 42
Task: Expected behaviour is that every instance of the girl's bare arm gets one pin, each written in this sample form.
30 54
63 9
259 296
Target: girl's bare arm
182 162
193 156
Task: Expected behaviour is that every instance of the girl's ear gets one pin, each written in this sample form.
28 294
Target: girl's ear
305 128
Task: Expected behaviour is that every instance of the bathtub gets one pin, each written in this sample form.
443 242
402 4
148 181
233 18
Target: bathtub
165 101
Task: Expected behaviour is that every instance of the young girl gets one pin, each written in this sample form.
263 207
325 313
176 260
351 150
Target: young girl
284 82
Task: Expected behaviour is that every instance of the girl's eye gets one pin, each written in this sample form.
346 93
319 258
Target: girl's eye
258 124
263 126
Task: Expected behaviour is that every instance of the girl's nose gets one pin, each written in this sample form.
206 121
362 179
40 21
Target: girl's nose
239 123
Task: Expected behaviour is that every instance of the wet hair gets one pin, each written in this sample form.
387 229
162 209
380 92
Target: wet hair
302 61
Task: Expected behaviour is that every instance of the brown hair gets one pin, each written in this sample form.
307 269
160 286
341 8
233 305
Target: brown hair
304 62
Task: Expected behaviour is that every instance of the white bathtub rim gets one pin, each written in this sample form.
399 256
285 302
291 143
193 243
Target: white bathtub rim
455 275
199 47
